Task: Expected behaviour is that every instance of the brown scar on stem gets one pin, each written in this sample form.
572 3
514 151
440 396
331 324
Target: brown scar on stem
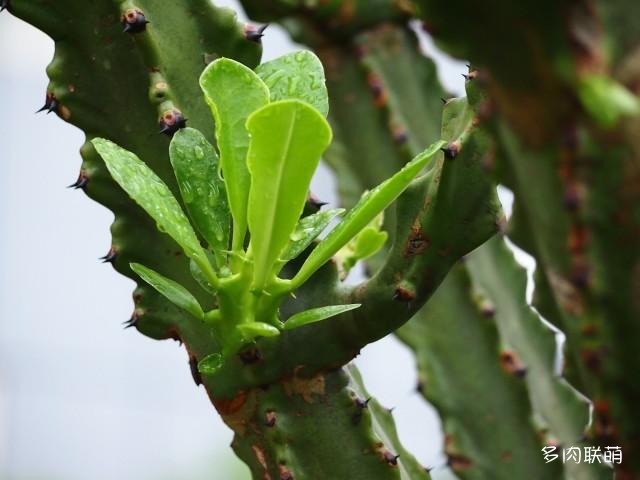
416 243
305 387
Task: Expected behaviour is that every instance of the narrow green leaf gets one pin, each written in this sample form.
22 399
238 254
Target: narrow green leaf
210 364
297 75
287 140
173 291
317 315
234 92
307 230
252 330
151 193
370 205
195 164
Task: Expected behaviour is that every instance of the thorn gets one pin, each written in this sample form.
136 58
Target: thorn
51 104
314 204
402 294
270 418
4 5
81 182
466 77
444 100
253 33
390 410
468 66
193 365
390 458
172 121
110 257
134 21
360 406
400 136
452 150
132 322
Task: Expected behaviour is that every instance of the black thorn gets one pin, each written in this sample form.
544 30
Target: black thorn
51 104
4 5
132 322
81 182
110 257
193 365
444 100
451 151
255 34
134 21
314 204
390 410
390 458
362 404
171 122
466 77
270 418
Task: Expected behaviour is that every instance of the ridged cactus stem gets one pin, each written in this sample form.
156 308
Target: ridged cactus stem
565 107
325 426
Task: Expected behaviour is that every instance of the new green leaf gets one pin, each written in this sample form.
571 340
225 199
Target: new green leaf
252 330
317 315
151 193
307 230
174 292
364 245
195 164
287 140
234 92
297 75
369 206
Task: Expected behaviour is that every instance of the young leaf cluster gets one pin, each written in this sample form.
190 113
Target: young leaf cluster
244 200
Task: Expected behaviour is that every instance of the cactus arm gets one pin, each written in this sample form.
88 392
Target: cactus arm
325 426
105 92
565 412
485 409
584 226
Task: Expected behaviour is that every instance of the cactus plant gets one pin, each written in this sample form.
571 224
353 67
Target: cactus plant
551 111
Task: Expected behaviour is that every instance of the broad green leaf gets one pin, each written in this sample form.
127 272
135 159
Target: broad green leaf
151 193
234 92
195 164
306 231
173 291
607 100
210 364
317 315
287 140
370 205
252 330
297 75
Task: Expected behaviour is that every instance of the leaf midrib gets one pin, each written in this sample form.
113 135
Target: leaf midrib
274 209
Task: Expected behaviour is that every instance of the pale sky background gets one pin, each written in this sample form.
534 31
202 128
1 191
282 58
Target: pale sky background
81 398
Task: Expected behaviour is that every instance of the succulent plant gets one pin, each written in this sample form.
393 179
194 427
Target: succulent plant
227 248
